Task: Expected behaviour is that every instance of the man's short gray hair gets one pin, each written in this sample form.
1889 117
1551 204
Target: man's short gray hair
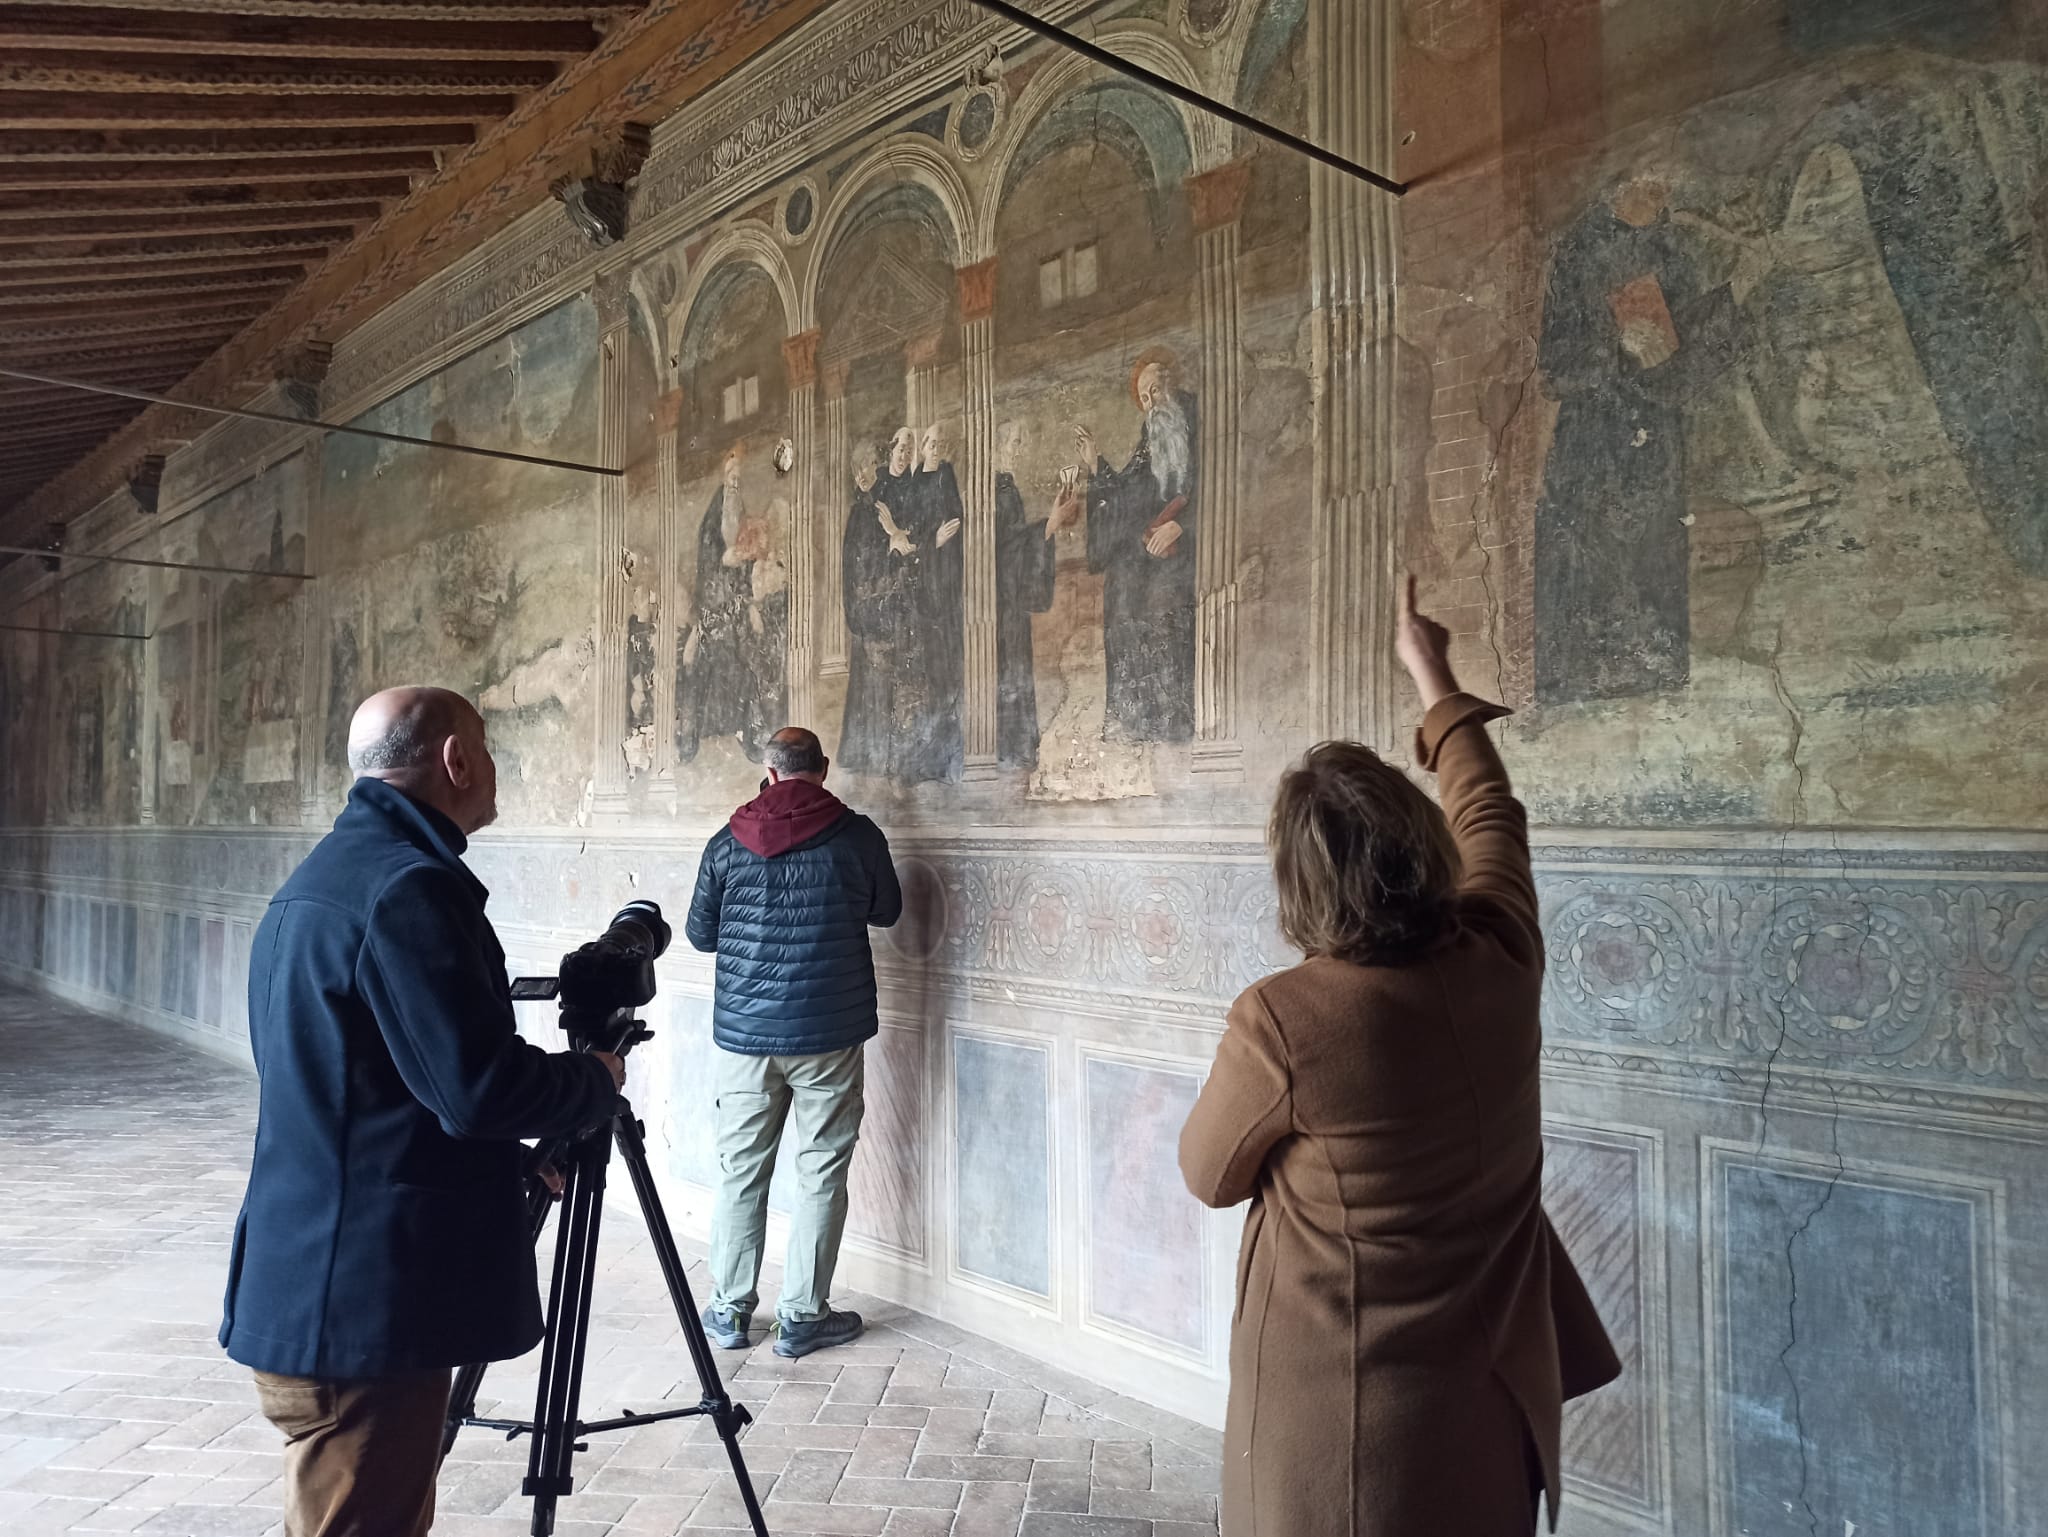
413 738
793 750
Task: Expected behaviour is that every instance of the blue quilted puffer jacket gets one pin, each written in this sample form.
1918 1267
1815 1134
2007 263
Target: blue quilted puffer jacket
786 894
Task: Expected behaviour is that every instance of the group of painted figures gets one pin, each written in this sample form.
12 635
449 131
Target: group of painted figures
903 581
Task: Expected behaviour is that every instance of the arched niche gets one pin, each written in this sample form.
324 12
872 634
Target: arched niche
888 314
905 174
1094 232
734 517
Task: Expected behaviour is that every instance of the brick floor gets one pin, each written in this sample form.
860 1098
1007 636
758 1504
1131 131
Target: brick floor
122 1158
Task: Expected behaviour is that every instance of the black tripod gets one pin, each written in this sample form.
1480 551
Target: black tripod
582 1161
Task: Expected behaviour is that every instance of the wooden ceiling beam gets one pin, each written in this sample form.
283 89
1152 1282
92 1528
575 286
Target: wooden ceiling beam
29 274
45 457
386 10
127 145
110 28
25 419
162 178
132 253
21 321
56 422
136 204
650 63
24 229
106 365
77 425
33 69
27 306
116 109
51 339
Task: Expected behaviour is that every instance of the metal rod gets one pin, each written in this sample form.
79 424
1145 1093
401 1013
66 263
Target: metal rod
1194 98
37 629
297 421
161 565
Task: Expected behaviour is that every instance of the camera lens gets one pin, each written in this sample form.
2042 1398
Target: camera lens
651 931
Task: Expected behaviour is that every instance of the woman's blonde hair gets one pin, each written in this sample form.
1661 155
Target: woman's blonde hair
1365 863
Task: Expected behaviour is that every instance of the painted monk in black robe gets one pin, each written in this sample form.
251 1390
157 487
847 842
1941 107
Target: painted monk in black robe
1631 335
1026 553
715 675
1142 530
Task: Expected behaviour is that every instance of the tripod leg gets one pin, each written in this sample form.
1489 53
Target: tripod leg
568 1298
719 1408
470 1380
540 1201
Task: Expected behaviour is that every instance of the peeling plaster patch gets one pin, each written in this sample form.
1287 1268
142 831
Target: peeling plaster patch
550 678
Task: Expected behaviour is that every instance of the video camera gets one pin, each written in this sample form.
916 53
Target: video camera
602 983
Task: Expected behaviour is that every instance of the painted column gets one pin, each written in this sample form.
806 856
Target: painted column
921 403
668 413
1217 198
152 683
978 492
838 481
800 356
1353 231
313 680
608 797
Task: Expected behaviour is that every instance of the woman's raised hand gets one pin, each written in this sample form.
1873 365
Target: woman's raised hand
1424 648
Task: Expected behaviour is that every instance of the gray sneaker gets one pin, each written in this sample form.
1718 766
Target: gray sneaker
727 1329
793 1339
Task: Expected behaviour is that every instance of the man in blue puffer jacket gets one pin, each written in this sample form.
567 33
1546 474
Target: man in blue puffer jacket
786 893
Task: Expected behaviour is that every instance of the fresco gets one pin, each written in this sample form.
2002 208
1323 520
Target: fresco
1796 359
97 725
1044 446
455 569
889 355
732 551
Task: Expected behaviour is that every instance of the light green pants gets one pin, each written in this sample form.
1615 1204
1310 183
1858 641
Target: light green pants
821 1097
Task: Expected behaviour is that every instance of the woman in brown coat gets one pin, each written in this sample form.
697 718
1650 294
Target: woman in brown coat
1407 1325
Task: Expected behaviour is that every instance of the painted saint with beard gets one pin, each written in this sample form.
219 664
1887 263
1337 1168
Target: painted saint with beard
1142 530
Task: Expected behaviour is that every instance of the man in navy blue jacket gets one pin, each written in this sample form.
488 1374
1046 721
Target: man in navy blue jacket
383 1239
786 893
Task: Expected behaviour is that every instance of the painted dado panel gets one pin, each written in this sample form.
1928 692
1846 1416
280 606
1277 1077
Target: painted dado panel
1925 969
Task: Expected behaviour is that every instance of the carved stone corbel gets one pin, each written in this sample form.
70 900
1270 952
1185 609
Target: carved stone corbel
598 195
300 371
145 484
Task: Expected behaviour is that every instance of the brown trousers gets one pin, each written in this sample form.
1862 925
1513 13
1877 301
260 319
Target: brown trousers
360 1457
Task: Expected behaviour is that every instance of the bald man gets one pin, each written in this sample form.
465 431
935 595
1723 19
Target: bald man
383 1240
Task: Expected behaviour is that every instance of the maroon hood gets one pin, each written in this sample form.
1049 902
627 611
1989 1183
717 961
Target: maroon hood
786 815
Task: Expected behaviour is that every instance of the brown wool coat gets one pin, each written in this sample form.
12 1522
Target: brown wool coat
1408 1325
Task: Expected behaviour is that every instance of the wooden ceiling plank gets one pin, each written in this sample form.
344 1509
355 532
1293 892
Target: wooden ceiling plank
113 288
156 177
132 306
392 10
52 340
126 144
171 200
24 229
218 74
137 31
115 109
124 253
33 275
